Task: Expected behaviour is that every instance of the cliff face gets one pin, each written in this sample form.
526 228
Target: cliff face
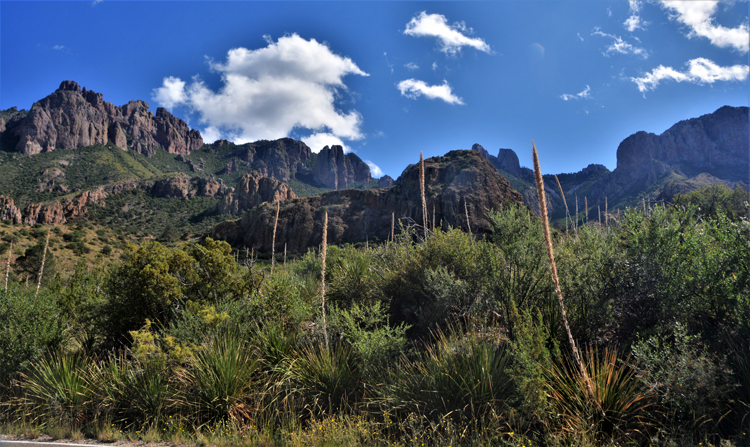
72 117
355 216
337 170
251 191
716 145
280 159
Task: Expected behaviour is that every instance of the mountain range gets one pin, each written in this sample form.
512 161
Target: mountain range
74 155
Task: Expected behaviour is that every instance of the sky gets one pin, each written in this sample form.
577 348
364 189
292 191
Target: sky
388 79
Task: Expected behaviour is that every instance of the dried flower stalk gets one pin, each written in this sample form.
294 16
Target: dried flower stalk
41 268
567 211
273 240
421 189
553 266
7 267
324 250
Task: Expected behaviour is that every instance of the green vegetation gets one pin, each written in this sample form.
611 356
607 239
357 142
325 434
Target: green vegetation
446 341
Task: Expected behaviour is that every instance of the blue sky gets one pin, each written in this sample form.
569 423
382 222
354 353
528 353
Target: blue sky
390 79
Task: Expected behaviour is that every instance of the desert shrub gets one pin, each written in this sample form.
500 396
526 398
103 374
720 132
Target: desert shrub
717 199
415 277
692 386
28 265
373 340
351 277
30 326
586 264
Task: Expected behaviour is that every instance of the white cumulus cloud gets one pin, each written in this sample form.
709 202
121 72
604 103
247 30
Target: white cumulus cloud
451 37
698 17
585 93
699 71
412 66
634 21
290 84
620 46
414 88
374 169
318 141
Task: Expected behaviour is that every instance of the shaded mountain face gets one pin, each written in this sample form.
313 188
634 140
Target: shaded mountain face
714 147
693 153
72 117
457 183
337 170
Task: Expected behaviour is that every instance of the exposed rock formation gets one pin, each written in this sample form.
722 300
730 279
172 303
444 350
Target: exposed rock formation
9 211
251 191
72 117
385 181
355 215
717 144
184 187
280 159
337 170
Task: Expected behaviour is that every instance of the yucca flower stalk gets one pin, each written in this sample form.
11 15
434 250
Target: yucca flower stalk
324 250
586 207
273 240
565 202
393 227
466 210
41 268
553 266
7 266
421 188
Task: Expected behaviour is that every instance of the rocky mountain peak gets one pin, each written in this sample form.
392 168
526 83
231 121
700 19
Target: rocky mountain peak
338 170
73 117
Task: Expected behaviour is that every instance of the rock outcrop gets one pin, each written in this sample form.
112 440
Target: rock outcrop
9 211
251 191
72 117
356 216
280 159
715 145
385 181
337 170
184 187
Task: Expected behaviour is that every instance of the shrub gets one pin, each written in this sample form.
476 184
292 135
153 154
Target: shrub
327 378
692 386
29 327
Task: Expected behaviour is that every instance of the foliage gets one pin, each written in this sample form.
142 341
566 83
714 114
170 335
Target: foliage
28 266
327 377
219 382
29 327
717 199
461 375
693 387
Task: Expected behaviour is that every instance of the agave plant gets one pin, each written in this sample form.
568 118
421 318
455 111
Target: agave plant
219 381
59 387
461 375
618 407
327 377
134 392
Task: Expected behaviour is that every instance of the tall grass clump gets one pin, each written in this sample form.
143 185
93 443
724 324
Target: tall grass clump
327 377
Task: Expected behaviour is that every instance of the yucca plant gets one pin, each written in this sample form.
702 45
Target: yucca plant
133 392
618 408
59 387
218 384
460 375
327 377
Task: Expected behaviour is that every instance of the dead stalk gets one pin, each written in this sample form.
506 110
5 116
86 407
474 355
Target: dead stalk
273 240
553 266
466 210
421 189
565 202
606 213
393 227
284 253
323 277
41 268
586 207
7 267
